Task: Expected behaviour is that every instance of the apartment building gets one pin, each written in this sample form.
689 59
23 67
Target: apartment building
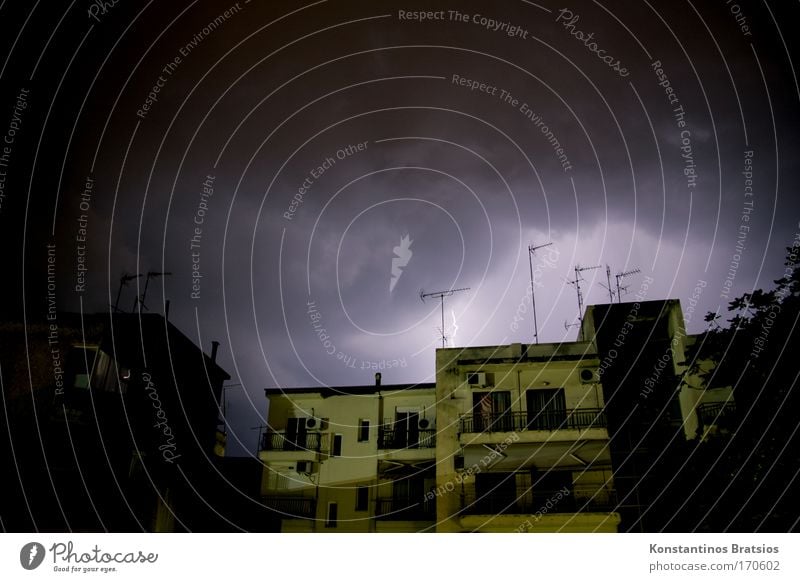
112 424
656 405
555 437
522 444
351 459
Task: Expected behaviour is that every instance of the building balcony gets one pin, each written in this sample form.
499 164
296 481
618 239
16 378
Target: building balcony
405 439
585 424
278 446
292 506
578 418
528 501
280 441
719 414
391 509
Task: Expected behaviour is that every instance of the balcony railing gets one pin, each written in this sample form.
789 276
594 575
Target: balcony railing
389 438
717 413
524 500
292 506
391 509
279 441
578 418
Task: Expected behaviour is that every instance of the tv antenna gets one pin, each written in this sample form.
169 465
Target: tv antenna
620 277
609 287
531 250
577 283
150 275
123 282
441 295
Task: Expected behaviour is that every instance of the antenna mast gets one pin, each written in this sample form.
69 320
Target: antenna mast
123 282
531 250
620 277
577 283
150 275
609 287
441 295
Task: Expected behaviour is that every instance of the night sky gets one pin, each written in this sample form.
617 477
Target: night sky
304 170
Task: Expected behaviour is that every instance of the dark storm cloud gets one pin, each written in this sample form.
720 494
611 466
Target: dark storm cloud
478 138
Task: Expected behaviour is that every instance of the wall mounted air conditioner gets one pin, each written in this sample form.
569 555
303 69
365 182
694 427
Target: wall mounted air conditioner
306 467
588 375
476 379
313 423
424 423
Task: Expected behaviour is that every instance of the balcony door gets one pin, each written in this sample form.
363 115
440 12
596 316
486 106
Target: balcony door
295 434
406 430
495 493
492 411
547 408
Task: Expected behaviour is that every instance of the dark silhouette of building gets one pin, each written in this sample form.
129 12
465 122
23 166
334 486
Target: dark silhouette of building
111 424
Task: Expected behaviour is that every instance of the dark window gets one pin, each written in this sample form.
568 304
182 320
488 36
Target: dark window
79 366
492 411
547 409
363 431
406 430
362 498
295 434
337 446
333 515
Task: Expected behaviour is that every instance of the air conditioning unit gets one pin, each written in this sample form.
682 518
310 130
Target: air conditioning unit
306 467
424 423
313 423
476 379
588 375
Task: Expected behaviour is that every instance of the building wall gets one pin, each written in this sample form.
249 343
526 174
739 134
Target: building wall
335 479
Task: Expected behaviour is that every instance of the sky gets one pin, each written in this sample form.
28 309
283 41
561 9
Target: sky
306 171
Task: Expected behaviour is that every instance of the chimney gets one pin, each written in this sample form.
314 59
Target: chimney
214 348
377 378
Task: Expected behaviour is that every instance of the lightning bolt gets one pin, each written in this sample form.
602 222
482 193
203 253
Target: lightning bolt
455 326
403 254
32 555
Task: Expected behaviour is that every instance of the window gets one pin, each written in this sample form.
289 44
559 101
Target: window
362 498
336 450
492 411
547 409
333 515
79 366
363 431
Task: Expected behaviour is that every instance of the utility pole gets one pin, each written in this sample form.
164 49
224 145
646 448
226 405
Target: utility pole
441 295
531 250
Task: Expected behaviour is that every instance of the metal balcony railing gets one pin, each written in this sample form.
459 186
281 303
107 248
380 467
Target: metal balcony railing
522 500
279 441
391 509
578 418
292 506
389 438
717 413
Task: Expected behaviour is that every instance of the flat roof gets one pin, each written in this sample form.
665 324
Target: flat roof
328 391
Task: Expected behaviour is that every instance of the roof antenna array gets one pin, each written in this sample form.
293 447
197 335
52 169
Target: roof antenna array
531 251
620 277
608 287
577 283
441 295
